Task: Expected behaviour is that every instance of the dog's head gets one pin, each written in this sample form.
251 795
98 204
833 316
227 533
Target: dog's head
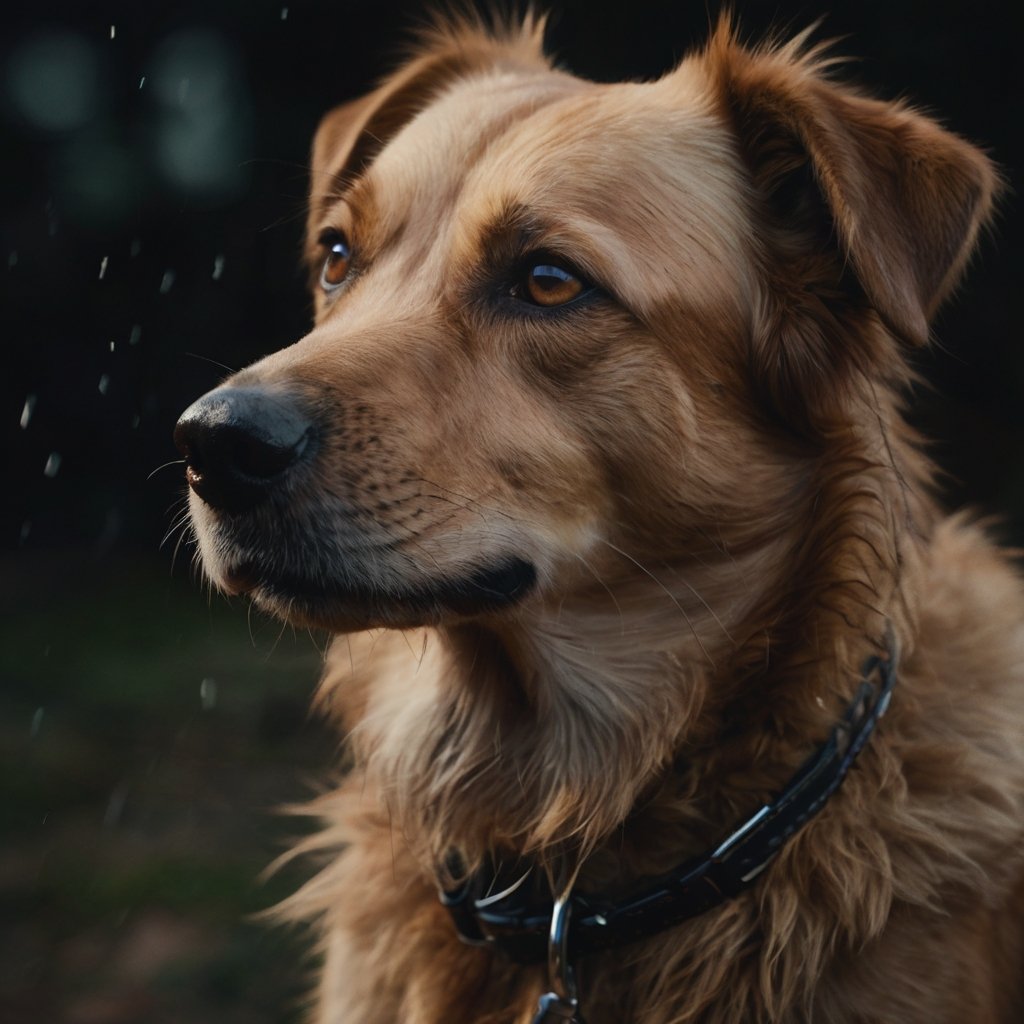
565 328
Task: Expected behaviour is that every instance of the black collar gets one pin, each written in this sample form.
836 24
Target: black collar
517 919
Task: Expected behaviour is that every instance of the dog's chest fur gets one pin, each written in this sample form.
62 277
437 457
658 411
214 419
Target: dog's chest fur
913 867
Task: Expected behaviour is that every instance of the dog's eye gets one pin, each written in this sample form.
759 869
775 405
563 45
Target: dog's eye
548 284
337 261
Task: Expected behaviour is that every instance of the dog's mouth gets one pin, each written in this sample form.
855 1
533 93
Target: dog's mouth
355 603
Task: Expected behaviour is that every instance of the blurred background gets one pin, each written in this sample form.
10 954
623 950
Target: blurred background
153 172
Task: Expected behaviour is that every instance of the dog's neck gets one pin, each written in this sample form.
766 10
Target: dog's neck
656 704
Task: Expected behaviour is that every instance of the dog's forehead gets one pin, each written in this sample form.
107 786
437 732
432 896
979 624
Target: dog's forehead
533 128
451 135
624 164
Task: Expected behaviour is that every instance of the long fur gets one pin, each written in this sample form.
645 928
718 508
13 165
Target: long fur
727 513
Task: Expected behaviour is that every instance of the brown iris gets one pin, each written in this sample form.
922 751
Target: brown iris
550 285
336 264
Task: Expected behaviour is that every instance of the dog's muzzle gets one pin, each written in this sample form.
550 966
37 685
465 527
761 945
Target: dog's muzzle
240 443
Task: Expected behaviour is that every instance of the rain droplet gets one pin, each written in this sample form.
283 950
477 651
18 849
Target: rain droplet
135 422
37 721
167 282
136 334
27 409
103 267
208 693
284 13
113 31
135 248
115 806
104 383
218 266
52 465
12 259
26 529
142 81
111 346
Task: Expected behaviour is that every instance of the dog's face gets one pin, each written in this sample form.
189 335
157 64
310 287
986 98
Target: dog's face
564 328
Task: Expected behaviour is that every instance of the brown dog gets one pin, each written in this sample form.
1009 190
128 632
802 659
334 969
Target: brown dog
598 435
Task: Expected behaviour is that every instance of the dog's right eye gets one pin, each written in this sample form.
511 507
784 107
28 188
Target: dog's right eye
548 284
337 261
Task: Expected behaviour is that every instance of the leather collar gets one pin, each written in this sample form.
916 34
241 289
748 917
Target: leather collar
517 919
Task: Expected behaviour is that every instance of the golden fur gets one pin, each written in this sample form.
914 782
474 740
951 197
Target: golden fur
706 464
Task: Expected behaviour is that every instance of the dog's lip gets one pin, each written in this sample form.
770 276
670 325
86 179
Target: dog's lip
240 579
489 587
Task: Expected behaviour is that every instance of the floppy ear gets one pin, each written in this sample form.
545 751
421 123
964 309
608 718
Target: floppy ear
905 197
350 136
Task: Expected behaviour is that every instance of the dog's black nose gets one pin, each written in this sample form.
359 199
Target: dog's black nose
239 443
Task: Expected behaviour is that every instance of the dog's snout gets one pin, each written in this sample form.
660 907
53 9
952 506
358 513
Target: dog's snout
239 443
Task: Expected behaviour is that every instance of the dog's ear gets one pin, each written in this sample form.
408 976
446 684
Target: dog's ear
905 198
350 136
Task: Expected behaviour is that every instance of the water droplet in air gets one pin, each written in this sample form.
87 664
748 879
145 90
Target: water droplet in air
115 806
52 465
166 282
135 248
37 721
135 422
104 383
12 259
284 13
113 31
218 266
136 334
27 409
26 529
208 693
103 267
142 81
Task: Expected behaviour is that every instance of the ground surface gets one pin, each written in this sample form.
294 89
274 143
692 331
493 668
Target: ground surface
147 738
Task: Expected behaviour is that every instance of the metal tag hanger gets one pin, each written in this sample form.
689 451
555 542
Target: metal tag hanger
562 1003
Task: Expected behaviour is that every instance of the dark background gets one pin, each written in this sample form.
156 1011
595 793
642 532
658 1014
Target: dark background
153 178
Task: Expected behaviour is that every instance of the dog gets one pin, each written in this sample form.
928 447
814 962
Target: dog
669 693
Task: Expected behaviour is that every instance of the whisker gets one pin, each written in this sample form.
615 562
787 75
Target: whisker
185 532
180 520
721 625
671 596
207 359
597 576
322 651
173 462
248 622
277 639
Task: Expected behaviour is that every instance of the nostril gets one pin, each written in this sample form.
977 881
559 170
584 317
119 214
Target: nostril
260 457
185 442
237 442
